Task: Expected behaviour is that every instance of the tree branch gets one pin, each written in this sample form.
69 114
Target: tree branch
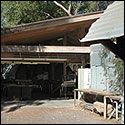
67 11
48 14
77 7
70 6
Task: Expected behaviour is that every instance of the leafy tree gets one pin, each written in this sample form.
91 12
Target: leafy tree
20 12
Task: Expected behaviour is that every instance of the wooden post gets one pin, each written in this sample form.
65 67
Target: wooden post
65 40
65 92
116 110
1 68
74 98
53 73
64 70
105 108
83 60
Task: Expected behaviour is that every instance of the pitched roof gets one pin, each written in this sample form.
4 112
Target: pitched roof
109 25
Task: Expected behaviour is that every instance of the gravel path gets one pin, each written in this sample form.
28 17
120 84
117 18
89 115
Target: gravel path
50 115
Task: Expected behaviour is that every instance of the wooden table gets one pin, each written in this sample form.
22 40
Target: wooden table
91 91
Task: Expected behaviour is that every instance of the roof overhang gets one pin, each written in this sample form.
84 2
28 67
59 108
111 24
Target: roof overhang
109 25
35 33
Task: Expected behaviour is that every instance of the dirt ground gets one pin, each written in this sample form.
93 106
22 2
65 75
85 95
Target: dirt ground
51 115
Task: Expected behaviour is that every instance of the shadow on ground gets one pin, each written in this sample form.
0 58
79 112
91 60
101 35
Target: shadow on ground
16 104
10 105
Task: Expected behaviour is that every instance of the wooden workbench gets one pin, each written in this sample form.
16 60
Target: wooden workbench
90 91
111 96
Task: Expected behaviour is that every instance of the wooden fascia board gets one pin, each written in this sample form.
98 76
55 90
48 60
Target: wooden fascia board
55 22
44 49
32 59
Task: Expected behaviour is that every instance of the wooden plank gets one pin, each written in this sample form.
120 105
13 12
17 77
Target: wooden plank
96 92
64 71
74 98
105 108
26 62
65 40
70 58
45 49
32 60
53 71
83 60
34 54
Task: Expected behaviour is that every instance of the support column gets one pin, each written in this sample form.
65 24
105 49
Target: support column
53 73
1 68
105 108
64 70
65 40
83 61
75 98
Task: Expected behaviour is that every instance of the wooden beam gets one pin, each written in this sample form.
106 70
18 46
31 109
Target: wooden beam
42 55
64 70
45 49
71 57
23 62
83 60
33 59
65 40
53 71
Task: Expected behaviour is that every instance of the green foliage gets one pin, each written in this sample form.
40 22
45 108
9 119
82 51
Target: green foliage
115 78
20 12
119 72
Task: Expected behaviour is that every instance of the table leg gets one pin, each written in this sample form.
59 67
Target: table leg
65 92
105 108
116 110
74 98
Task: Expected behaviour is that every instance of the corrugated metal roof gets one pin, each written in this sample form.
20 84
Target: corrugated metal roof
109 25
